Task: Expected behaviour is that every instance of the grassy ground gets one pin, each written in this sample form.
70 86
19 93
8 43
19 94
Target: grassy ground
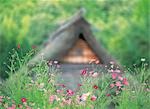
39 88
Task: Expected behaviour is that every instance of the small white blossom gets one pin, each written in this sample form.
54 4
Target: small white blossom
55 62
142 59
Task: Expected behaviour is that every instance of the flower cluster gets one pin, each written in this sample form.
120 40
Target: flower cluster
9 103
117 82
86 73
88 91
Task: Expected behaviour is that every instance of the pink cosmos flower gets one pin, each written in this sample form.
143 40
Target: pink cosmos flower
84 96
97 62
70 92
12 107
125 81
120 78
118 84
52 98
93 98
114 75
95 75
66 101
117 71
112 85
59 91
1 99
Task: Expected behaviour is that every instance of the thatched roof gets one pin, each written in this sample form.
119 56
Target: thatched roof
64 38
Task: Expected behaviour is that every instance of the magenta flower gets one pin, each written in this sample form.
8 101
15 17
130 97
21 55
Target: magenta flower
108 95
95 87
23 100
114 75
79 85
112 85
125 81
83 72
93 98
70 92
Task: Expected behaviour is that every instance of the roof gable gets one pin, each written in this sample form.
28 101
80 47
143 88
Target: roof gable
65 37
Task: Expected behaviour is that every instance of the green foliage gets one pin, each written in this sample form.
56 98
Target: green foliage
38 84
21 83
120 25
137 94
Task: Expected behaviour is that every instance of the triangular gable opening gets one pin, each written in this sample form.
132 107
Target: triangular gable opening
80 53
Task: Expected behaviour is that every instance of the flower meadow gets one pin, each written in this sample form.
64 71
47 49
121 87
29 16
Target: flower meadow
40 87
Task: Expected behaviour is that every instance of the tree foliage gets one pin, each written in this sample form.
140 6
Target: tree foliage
120 25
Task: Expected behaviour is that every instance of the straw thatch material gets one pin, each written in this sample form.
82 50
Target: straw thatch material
61 41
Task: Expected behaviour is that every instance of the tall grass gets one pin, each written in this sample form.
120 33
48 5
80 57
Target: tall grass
40 88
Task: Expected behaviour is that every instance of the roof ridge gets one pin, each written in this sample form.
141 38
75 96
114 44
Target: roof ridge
78 15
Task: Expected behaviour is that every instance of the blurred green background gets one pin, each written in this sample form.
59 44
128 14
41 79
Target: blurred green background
120 25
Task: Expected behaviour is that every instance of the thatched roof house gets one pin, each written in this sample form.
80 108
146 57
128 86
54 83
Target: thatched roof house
73 42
